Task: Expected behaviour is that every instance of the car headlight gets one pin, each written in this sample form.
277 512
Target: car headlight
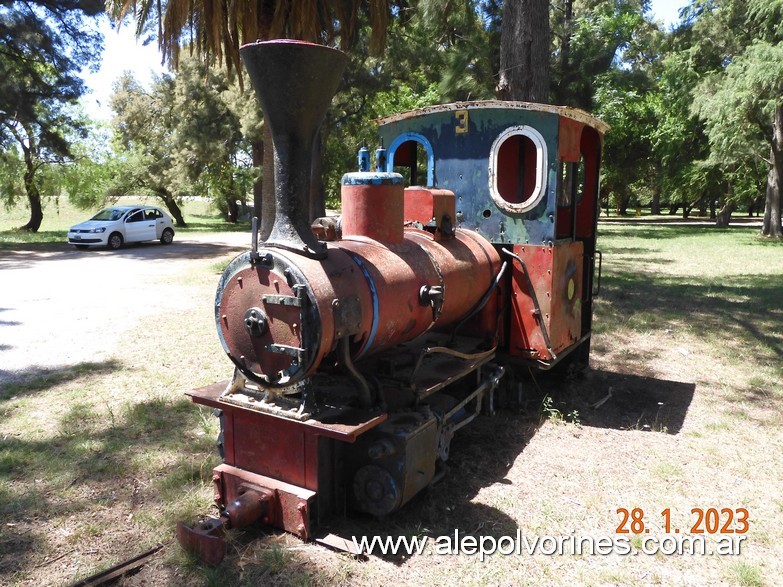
101 229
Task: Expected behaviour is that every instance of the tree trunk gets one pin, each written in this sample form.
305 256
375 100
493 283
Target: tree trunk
724 214
232 210
703 206
266 214
688 208
563 75
33 197
30 151
524 51
655 204
772 205
172 207
623 202
257 149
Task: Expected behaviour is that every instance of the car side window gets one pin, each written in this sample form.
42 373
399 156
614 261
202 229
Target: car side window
149 214
136 216
158 214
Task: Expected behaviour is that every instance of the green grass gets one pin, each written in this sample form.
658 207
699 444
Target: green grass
60 215
746 575
83 441
723 284
685 251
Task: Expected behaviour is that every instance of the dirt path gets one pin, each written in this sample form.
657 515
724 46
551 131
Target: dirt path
60 306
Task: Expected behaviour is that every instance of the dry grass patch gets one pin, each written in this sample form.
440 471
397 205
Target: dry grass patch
98 460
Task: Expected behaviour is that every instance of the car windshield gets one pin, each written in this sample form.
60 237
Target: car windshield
109 214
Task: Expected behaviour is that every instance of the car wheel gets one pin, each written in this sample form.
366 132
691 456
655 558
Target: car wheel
115 241
167 237
82 247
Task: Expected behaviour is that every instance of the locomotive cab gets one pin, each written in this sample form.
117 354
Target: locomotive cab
526 178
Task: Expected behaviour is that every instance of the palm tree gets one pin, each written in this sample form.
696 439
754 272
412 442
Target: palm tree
215 29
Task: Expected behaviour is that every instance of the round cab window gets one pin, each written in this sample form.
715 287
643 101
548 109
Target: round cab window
517 169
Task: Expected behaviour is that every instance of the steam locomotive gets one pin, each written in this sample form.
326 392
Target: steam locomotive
363 343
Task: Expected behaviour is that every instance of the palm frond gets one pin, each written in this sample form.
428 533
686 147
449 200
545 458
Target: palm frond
215 29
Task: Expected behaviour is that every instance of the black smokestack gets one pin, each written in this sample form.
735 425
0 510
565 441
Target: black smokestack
295 82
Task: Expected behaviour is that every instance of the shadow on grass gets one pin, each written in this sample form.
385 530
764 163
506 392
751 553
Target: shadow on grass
93 460
655 230
24 256
208 224
622 401
745 309
34 380
14 239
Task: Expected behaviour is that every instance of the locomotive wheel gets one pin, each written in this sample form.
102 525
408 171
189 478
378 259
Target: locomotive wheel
167 237
376 491
115 241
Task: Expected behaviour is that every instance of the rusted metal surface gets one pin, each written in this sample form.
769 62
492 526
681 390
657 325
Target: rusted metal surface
289 506
463 267
434 209
566 111
383 283
252 503
372 205
569 138
204 540
309 326
461 143
403 453
352 422
249 291
436 367
556 276
110 575
327 228
589 150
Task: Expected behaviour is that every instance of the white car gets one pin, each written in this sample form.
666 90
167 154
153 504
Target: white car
112 227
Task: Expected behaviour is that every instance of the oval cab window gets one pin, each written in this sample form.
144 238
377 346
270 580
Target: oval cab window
517 169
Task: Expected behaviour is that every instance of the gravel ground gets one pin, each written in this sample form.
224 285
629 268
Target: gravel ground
60 306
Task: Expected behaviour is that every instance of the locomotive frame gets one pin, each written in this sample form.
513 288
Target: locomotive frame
362 344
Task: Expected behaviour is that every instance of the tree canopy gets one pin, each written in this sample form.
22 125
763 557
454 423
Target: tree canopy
695 109
216 29
43 47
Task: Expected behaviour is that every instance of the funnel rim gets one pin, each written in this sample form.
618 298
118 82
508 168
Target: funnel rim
293 42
